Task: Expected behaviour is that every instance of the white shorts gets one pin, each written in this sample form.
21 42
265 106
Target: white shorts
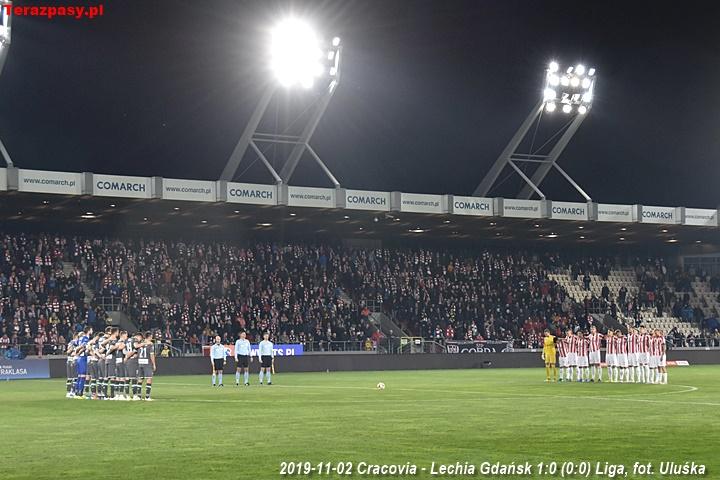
633 359
582 361
643 358
654 361
572 359
662 361
611 359
595 358
563 362
622 360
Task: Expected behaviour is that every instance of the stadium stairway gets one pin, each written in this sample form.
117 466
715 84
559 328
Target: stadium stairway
121 320
69 269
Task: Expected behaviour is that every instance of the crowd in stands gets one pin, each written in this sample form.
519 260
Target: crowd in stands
301 293
40 305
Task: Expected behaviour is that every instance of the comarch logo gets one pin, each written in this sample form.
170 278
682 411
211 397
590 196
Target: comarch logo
366 200
251 193
121 186
654 214
471 206
568 210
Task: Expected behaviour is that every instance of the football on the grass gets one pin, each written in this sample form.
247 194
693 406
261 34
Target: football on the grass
381 386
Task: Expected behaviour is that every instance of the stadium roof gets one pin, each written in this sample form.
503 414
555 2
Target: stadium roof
149 217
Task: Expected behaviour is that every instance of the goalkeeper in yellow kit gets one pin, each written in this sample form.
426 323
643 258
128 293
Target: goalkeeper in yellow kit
549 355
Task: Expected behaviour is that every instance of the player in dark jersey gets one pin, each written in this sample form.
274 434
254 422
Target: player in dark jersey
120 366
131 361
71 367
146 365
110 347
91 389
101 352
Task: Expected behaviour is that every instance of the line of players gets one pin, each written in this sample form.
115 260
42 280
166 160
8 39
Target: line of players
638 357
110 365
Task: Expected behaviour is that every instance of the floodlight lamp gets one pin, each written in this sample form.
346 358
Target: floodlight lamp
549 94
336 42
564 81
582 109
295 53
553 67
585 83
587 97
574 81
567 108
580 69
550 107
553 80
569 70
591 72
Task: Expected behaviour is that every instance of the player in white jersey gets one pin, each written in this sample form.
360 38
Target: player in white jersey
622 360
643 354
582 357
571 355
610 356
562 357
662 361
632 345
654 357
594 340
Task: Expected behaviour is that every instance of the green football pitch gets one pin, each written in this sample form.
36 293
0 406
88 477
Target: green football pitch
194 431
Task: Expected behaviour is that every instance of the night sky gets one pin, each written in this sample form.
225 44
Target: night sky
431 92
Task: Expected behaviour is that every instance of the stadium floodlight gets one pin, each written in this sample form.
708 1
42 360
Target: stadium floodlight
298 57
574 89
567 89
295 53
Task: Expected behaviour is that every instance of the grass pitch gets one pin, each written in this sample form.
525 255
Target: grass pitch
193 431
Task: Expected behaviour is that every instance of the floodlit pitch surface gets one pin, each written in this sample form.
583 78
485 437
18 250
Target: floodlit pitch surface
193 431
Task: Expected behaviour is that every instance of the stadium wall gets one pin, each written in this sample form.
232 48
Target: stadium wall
335 362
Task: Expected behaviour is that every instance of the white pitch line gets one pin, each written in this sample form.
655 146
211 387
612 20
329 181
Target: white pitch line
687 389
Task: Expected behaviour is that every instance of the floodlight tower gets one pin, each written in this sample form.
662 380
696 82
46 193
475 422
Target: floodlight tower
298 58
5 32
570 91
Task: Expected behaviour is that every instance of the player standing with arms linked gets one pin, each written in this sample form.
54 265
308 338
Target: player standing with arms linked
266 355
595 339
217 360
243 358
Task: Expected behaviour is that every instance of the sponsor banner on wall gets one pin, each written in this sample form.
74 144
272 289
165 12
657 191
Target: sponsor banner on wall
41 181
665 215
421 203
467 346
367 200
252 193
568 211
121 186
189 190
472 206
703 217
311 197
521 208
3 178
281 350
11 369
609 212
